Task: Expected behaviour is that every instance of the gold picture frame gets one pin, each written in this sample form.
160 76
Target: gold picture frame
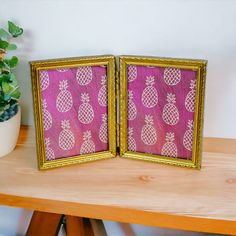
103 61
199 66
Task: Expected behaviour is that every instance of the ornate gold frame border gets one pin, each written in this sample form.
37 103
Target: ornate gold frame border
36 66
197 65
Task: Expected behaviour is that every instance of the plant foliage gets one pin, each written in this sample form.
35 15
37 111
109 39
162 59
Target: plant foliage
9 89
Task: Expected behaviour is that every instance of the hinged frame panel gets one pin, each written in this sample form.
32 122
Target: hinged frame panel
197 65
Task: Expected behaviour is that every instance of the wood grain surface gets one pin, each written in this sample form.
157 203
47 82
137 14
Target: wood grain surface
127 190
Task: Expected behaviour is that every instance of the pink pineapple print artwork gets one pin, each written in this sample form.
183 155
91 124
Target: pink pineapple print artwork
188 136
66 136
44 80
103 131
102 94
84 75
85 113
170 113
88 145
150 95
148 133
131 140
169 148
172 76
47 117
190 98
132 110
49 152
64 100
132 73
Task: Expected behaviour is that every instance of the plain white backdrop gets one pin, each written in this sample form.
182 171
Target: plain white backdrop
168 28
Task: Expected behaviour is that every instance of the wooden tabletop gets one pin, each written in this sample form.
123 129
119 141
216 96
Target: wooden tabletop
127 190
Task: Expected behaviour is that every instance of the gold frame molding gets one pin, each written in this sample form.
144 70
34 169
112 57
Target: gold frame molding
36 66
197 65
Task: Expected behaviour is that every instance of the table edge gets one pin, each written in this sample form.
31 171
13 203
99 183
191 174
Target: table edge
126 215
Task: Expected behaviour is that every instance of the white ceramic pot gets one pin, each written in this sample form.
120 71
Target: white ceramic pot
9 132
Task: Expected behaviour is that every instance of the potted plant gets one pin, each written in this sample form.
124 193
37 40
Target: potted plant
10 114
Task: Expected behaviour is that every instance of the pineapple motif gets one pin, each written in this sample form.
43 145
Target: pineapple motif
66 137
49 152
64 100
170 113
47 117
88 145
169 148
172 76
131 141
44 80
132 110
148 133
132 73
102 94
150 95
188 136
84 75
62 70
190 98
103 131
85 113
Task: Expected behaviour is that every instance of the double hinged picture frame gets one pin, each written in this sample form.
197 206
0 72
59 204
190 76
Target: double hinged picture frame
144 108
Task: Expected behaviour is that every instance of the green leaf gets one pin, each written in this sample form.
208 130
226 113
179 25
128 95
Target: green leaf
13 80
6 88
4 34
5 78
11 62
7 97
11 46
14 30
16 94
4 64
3 44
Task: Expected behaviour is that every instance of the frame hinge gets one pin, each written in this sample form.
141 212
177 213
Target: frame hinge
117 117
118 138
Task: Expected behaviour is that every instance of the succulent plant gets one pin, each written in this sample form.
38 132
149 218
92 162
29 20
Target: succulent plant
9 89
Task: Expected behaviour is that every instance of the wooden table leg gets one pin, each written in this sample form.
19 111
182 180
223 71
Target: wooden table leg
43 223
74 226
78 226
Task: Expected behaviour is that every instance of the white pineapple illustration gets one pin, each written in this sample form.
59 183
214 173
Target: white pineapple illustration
66 137
132 110
47 117
84 75
102 94
49 152
85 113
88 145
148 133
170 113
44 80
188 136
131 140
64 100
150 95
169 148
62 70
172 76
190 98
132 73
103 131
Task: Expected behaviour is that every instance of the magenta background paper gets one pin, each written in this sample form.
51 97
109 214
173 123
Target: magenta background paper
71 142
180 87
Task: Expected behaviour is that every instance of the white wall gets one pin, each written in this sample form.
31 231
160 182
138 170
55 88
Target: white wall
171 28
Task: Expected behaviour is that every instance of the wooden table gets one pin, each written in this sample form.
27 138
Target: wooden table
127 190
